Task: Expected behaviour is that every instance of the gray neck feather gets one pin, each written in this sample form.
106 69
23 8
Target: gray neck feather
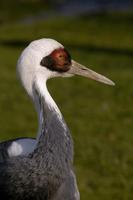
55 146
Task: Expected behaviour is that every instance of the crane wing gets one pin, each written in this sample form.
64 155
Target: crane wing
16 147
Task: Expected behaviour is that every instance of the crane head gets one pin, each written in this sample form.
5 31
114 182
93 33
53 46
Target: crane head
48 58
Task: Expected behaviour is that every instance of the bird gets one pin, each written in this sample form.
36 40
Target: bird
41 168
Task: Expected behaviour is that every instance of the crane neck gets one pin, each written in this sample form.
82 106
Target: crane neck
45 106
54 137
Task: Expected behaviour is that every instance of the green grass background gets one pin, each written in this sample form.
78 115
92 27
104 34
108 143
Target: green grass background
100 117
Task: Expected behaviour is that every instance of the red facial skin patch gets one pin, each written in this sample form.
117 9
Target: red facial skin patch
62 59
59 60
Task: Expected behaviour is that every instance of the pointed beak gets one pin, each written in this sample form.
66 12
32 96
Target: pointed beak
78 69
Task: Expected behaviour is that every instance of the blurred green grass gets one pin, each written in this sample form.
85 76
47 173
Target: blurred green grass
100 117
17 9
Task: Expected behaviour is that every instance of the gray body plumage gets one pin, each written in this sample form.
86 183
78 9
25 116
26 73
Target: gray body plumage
46 173
6 147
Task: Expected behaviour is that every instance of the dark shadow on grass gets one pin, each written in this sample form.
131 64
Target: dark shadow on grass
102 49
109 17
89 48
15 43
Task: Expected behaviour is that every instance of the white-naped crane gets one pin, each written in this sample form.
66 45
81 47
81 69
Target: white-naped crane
42 168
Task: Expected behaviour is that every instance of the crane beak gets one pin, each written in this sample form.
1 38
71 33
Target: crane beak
78 69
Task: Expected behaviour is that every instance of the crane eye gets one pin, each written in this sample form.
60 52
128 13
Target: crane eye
59 60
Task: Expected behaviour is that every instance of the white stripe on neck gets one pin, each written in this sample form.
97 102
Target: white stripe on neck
41 87
43 91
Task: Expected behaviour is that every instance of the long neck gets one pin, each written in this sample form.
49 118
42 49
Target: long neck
54 139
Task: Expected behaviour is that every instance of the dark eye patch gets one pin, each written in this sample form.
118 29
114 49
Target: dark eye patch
48 62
